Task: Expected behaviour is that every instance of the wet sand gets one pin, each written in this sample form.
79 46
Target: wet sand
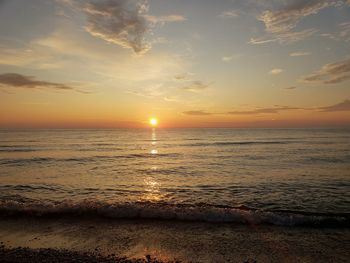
100 240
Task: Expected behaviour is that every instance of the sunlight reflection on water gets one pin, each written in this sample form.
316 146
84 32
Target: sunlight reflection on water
272 169
152 186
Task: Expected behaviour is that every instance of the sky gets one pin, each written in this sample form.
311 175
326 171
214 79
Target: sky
189 63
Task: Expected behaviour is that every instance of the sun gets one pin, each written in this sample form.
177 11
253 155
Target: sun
153 122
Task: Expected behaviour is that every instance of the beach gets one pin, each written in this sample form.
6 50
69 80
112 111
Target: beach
170 241
168 195
152 131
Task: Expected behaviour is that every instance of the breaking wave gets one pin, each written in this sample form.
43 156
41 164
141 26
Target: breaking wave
178 212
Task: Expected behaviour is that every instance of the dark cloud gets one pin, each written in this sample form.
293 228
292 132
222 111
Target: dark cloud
9 80
342 106
119 21
197 113
332 73
124 22
280 23
276 109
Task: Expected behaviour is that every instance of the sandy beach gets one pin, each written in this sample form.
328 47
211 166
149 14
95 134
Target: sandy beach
104 240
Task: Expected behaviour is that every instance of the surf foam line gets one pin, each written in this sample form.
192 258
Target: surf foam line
179 212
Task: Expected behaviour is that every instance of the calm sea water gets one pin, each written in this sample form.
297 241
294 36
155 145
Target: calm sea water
206 174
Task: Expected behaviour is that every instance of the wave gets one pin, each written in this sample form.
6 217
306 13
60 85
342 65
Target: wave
40 160
239 143
178 212
326 159
18 150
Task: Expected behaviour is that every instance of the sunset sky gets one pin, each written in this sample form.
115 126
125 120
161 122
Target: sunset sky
190 63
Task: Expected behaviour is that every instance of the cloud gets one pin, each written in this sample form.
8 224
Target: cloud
188 84
229 14
196 86
332 73
279 24
230 58
291 88
149 92
276 71
226 59
197 113
342 106
165 19
259 41
275 109
170 99
282 38
299 54
343 32
287 18
8 80
183 77
123 22
24 56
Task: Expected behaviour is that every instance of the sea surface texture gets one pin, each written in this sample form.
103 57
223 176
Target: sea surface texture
254 176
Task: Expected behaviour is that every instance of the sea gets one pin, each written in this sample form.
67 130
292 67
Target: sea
289 177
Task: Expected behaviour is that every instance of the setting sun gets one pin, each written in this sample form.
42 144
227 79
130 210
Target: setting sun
153 122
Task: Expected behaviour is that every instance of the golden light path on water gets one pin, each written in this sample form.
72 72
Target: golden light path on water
151 184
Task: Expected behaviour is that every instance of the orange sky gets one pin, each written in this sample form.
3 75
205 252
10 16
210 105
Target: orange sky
81 64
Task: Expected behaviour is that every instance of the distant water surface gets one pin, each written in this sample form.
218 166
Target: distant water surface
179 173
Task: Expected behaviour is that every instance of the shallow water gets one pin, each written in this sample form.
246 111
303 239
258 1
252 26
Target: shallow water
177 171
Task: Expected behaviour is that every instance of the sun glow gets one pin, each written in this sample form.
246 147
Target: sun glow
153 122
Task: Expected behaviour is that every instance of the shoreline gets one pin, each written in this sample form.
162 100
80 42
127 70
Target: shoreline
168 241
50 255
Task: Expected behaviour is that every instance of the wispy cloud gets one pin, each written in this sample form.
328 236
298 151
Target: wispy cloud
152 91
197 113
280 23
332 73
343 32
275 71
196 86
275 109
25 56
230 58
299 54
287 37
229 14
14 80
291 87
165 19
170 99
342 106
287 18
183 77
